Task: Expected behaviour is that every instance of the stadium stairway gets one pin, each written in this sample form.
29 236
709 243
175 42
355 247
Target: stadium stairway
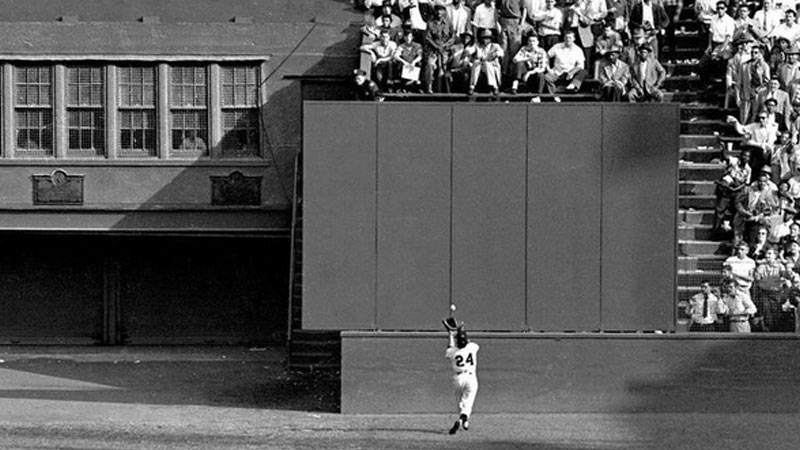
704 132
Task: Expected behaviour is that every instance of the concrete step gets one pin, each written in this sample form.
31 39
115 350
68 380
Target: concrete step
697 187
711 97
705 155
693 263
696 217
702 248
706 112
695 233
679 68
696 278
697 201
706 126
682 83
700 171
682 53
699 141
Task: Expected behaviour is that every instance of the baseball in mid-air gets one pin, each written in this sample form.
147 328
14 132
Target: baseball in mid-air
452 307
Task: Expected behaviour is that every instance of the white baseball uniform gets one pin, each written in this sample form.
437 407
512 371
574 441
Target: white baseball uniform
464 362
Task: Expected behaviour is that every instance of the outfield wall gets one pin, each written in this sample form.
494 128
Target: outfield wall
550 217
575 373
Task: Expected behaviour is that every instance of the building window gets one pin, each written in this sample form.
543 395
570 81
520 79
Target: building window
137 110
85 111
240 114
189 110
33 110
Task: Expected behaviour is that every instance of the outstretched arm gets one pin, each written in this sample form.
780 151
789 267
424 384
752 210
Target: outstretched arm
451 339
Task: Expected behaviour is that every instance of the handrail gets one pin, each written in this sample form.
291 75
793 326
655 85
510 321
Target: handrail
292 251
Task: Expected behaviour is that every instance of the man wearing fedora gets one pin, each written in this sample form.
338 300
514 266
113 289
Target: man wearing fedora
614 76
647 75
789 70
650 16
755 76
486 56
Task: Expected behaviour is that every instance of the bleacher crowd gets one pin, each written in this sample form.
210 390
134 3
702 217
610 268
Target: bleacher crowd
752 50
534 46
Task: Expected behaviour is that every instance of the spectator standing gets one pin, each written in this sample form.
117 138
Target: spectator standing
754 206
755 76
511 22
768 18
531 63
673 8
789 71
784 103
719 48
785 158
647 75
579 23
740 268
760 136
704 12
745 26
568 66
460 17
549 23
735 80
614 76
759 244
705 309
484 17
788 29
739 307
774 118
486 56
770 277
650 16
727 189
607 40
438 40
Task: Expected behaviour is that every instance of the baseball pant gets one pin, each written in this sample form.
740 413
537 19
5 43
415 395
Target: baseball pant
466 390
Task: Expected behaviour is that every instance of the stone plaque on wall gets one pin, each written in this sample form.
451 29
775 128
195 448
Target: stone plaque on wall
58 188
235 189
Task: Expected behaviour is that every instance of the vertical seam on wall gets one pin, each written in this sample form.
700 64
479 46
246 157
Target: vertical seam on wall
526 324
450 247
602 216
377 174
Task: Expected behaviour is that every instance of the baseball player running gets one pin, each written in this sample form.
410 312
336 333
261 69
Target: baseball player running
463 356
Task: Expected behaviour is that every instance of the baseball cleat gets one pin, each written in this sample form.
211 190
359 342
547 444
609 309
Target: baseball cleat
455 427
464 422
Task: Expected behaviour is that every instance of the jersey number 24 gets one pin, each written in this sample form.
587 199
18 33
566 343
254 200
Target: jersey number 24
461 361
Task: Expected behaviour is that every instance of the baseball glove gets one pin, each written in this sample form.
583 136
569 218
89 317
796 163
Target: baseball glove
450 324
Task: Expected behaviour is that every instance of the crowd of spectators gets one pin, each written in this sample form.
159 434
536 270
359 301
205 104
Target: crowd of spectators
753 49
532 46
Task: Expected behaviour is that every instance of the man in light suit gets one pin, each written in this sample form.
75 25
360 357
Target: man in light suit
614 76
647 76
773 91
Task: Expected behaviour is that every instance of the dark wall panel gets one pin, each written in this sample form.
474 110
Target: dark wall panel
339 215
564 198
639 221
413 272
489 215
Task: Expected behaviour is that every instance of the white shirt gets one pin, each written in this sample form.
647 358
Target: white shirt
485 17
744 267
459 18
722 27
463 360
566 58
533 7
553 19
647 15
768 20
